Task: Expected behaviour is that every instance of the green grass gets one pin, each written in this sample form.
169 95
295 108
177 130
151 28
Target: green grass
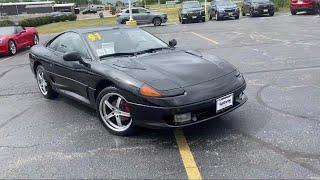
62 26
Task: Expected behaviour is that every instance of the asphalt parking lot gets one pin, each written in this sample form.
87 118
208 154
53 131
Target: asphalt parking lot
276 134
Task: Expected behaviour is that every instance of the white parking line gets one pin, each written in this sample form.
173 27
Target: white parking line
17 55
205 38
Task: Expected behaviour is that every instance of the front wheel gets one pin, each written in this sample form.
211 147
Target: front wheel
44 86
236 17
114 112
35 39
157 21
293 12
12 47
271 13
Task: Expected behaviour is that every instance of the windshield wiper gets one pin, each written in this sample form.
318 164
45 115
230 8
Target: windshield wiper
117 54
152 50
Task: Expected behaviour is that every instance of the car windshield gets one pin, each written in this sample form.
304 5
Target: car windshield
6 30
191 5
122 42
224 3
258 1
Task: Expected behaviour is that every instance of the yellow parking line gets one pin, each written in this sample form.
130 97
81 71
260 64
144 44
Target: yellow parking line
186 156
205 38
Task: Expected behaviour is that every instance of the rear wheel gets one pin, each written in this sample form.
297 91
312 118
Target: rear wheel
293 12
217 16
210 16
157 21
44 85
12 47
124 21
203 19
251 13
35 39
114 112
236 17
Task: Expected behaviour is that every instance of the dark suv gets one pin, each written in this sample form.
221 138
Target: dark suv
257 7
223 9
191 11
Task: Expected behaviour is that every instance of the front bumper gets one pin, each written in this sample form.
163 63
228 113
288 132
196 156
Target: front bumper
163 117
4 49
302 6
229 14
263 10
193 16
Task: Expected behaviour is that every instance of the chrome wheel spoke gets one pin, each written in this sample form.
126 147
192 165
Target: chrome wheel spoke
119 123
118 102
107 103
109 115
124 114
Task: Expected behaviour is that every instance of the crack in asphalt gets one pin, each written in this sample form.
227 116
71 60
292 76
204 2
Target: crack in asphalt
290 155
7 71
17 94
13 118
283 69
260 101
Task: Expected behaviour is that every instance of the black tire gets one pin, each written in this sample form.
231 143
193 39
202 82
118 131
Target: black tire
204 19
124 21
271 13
50 93
157 21
12 47
131 129
183 21
217 16
236 17
293 12
251 13
35 39
210 16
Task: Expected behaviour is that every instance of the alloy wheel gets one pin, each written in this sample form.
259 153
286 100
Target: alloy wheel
12 47
115 113
42 83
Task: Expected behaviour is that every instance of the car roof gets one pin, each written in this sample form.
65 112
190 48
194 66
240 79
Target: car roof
85 30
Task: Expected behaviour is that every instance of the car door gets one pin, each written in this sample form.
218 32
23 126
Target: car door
71 77
145 16
22 37
136 15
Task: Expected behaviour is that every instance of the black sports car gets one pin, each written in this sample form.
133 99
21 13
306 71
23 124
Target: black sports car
134 79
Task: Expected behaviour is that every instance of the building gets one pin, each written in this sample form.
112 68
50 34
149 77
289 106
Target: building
26 7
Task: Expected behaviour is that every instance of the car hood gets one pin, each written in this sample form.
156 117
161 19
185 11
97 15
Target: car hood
189 10
231 6
171 70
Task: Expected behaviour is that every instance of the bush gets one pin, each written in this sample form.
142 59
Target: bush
281 4
39 21
6 23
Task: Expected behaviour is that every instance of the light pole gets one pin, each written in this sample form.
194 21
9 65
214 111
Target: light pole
131 22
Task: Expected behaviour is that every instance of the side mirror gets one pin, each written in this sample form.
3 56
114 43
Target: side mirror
173 43
75 56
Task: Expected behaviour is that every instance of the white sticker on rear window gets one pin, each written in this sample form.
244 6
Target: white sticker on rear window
108 48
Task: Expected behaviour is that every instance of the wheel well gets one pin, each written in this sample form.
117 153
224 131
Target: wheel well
35 66
100 86
156 18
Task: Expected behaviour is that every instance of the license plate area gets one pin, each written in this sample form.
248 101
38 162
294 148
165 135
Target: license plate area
224 102
265 10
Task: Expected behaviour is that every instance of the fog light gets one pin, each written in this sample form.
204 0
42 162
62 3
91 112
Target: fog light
182 118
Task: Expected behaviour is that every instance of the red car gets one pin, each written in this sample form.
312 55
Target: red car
303 5
13 38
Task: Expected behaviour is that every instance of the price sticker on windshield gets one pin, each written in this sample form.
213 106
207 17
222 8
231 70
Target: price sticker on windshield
94 37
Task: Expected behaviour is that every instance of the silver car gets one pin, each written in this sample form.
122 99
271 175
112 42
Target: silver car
142 16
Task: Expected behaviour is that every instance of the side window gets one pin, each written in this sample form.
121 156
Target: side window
18 29
69 42
142 10
135 11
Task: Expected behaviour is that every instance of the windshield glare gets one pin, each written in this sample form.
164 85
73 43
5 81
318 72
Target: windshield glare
191 5
110 42
6 30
